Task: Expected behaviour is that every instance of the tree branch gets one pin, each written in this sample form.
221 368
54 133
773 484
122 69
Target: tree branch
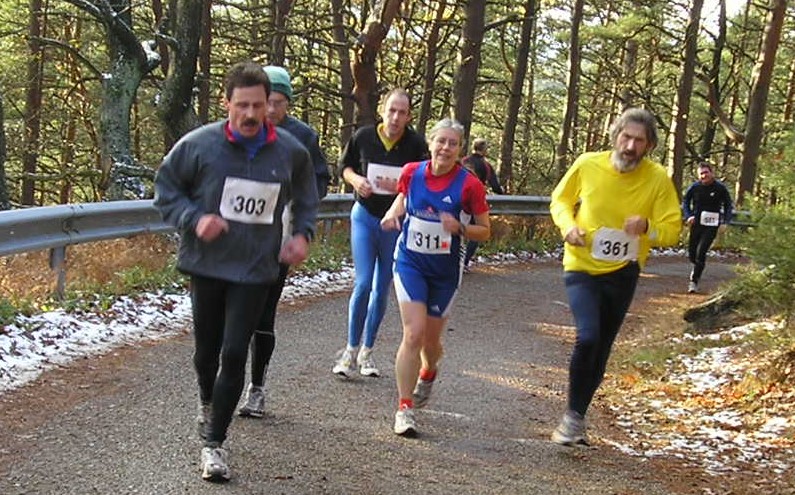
729 129
74 52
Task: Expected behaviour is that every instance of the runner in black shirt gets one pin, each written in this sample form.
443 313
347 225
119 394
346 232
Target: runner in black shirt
707 206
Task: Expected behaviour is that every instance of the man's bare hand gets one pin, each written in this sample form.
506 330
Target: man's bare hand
210 227
363 187
575 236
295 251
636 225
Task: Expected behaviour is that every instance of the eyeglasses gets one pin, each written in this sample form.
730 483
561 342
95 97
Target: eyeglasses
277 102
453 143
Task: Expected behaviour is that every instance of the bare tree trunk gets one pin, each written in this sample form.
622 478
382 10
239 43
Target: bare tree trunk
203 77
365 86
161 20
466 78
515 98
714 81
129 61
5 203
176 110
757 102
281 9
33 102
681 110
789 106
564 149
629 71
431 47
346 72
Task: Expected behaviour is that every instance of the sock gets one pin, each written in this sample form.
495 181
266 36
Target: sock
427 375
405 404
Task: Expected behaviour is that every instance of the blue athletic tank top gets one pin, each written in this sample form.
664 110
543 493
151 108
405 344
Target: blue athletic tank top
423 243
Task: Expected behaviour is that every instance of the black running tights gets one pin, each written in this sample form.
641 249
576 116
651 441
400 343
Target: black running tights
225 315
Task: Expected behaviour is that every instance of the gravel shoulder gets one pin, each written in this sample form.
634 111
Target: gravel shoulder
123 422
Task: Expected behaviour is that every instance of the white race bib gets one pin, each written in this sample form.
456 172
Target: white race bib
383 178
427 237
249 201
614 245
710 218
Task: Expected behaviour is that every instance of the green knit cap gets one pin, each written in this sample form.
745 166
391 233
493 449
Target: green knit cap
280 80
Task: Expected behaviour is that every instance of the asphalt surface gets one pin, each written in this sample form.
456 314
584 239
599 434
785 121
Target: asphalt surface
124 423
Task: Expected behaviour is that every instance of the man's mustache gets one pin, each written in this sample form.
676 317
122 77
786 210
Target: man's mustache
251 122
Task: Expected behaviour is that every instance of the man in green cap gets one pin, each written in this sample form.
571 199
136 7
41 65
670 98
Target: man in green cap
264 340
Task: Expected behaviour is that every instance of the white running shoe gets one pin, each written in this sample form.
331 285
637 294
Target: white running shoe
571 430
692 288
214 464
405 424
346 363
367 365
255 402
422 393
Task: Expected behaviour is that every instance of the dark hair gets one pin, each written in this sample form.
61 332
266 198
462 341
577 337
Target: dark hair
480 145
705 165
394 92
637 116
245 75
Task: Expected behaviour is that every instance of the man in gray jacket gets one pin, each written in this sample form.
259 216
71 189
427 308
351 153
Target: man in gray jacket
224 186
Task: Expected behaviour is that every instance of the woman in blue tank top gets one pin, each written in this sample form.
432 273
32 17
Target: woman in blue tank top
435 201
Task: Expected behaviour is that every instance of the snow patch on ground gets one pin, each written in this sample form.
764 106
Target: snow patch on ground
32 345
699 423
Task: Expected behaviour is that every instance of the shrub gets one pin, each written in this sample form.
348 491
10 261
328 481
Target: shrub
767 286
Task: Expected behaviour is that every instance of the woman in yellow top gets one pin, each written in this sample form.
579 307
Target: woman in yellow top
611 207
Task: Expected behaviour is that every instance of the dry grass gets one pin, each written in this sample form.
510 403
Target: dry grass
28 277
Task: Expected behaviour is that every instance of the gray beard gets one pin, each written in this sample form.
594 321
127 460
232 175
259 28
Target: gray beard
623 165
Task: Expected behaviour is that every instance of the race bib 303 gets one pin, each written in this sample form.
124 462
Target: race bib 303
249 201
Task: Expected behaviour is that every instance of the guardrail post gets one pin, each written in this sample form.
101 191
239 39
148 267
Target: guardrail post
58 265
328 224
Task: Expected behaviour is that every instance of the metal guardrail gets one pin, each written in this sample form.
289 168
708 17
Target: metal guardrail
56 227
50 227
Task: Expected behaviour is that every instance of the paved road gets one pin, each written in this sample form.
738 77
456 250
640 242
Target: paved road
123 423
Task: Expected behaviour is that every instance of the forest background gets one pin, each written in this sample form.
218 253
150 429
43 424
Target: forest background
94 92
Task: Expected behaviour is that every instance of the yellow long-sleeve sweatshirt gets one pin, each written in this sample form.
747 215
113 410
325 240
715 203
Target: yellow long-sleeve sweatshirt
594 196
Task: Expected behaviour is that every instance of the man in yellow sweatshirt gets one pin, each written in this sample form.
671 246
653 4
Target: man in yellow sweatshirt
611 207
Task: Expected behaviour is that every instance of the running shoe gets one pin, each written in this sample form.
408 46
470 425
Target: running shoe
571 430
422 392
214 466
692 288
203 418
367 365
255 403
346 364
405 424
